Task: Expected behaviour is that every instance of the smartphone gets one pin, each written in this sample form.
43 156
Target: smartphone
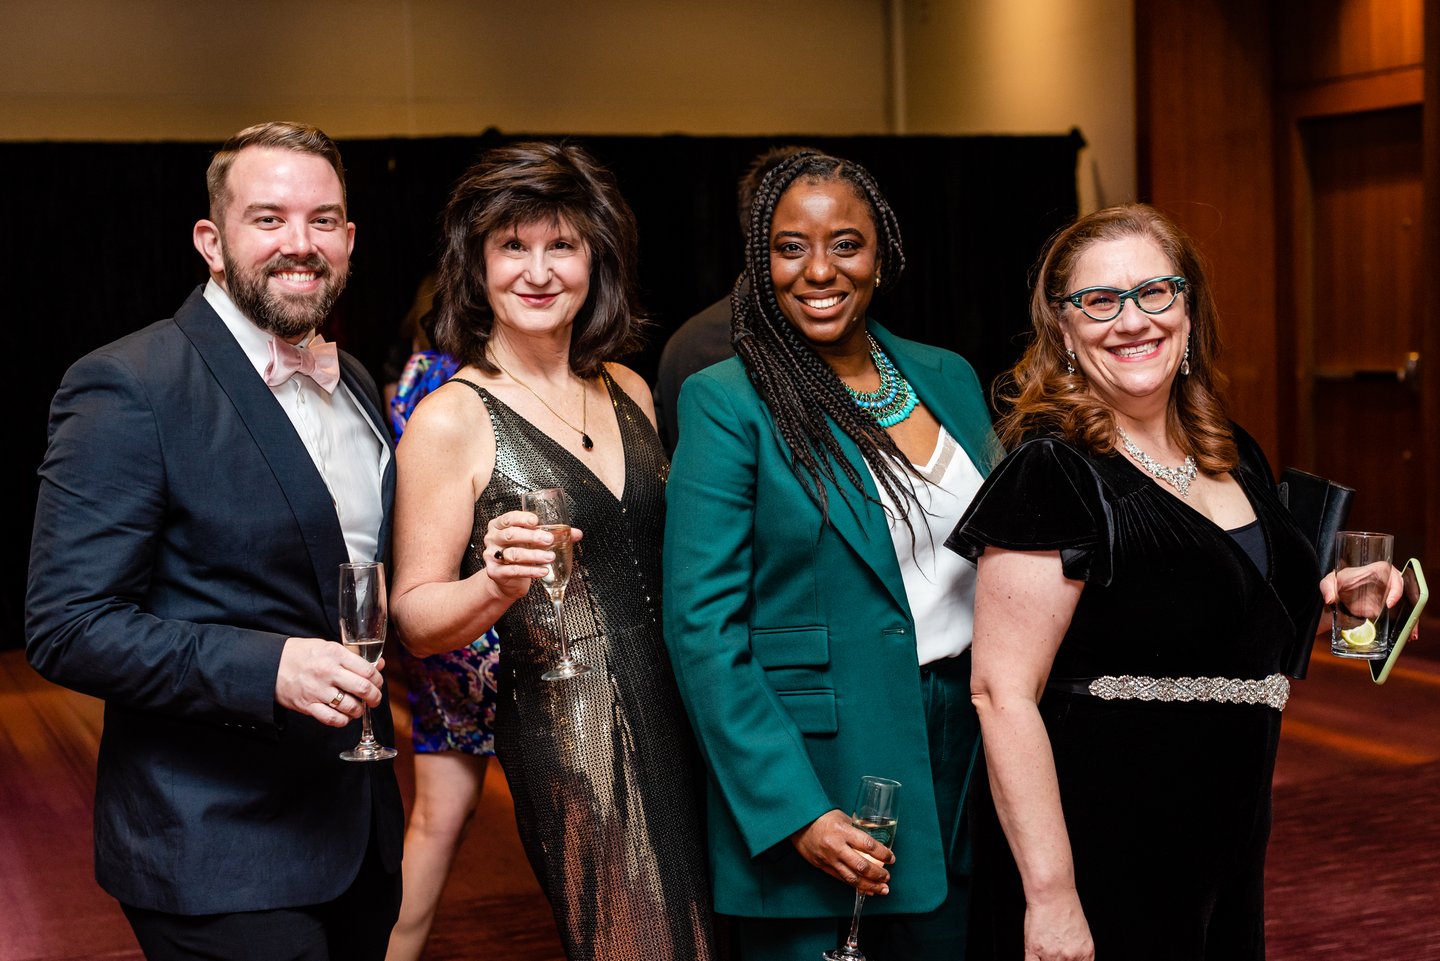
1405 615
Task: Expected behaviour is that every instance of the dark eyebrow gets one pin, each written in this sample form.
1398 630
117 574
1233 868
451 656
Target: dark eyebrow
842 231
268 207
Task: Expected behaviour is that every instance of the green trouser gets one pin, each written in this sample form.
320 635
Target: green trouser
937 935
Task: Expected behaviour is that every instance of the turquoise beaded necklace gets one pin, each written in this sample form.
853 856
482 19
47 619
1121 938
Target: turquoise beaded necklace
894 399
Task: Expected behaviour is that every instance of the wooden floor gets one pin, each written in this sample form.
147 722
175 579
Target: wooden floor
1354 868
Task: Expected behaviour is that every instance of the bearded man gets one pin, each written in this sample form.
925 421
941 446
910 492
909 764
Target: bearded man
205 477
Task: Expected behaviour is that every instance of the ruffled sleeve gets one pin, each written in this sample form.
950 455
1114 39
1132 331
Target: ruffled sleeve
1045 496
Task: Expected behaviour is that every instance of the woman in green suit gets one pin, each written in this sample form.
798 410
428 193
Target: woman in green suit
816 630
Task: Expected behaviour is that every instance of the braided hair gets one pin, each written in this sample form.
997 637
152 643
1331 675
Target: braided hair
801 390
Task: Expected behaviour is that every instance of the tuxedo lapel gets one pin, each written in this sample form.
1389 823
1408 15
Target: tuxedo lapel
275 440
353 375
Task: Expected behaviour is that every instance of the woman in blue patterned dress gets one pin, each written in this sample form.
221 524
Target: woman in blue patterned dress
452 708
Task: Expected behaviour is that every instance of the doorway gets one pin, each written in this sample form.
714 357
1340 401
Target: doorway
1360 409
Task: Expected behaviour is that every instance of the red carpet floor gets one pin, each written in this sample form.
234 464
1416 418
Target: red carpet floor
1354 869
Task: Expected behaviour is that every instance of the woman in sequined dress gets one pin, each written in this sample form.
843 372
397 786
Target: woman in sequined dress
536 292
1139 585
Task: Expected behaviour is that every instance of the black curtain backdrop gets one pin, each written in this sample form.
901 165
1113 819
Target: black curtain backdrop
96 243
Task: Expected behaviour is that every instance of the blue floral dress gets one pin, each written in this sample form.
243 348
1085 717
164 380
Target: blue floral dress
452 695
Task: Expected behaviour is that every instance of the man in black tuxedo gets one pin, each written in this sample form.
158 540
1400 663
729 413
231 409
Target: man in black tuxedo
205 478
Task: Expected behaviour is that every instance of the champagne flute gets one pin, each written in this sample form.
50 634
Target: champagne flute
875 815
553 511
363 617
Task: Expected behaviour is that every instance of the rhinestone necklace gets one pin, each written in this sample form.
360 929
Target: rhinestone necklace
894 400
1177 477
585 440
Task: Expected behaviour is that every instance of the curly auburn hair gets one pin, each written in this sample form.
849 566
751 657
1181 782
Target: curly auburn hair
1038 395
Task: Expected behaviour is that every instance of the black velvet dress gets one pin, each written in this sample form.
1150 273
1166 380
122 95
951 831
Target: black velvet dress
1167 804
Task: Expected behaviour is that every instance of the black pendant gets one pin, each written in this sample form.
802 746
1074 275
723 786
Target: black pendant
586 442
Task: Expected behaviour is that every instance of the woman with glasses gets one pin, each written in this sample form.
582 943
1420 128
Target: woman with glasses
1138 584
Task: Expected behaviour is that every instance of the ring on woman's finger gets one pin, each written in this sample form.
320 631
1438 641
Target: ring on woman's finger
499 554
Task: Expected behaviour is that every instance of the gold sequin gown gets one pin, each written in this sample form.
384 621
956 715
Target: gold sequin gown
602 767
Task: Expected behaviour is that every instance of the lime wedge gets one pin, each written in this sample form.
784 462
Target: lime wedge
1361 638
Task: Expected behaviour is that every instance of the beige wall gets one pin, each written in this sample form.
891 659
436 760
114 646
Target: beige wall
1029 66
200 69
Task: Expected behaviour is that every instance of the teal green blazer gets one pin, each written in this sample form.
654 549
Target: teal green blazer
793 642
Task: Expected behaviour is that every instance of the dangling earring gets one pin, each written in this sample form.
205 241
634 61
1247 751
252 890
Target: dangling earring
1185 361
1069 361
877 275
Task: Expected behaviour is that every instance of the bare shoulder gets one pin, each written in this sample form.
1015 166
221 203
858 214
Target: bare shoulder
634 387
450 422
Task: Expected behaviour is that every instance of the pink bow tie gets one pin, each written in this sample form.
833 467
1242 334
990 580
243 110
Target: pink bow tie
319 362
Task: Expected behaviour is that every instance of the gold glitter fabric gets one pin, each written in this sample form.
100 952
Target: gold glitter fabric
602 767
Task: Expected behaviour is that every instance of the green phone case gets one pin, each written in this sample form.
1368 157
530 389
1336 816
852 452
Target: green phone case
1380 670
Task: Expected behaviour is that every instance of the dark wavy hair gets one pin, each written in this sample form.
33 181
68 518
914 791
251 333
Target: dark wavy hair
800 389
1038 395
526 183
284 134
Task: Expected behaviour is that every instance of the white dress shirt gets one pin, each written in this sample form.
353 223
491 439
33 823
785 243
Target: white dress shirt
343 441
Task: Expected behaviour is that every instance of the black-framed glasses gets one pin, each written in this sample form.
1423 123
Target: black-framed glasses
1103 304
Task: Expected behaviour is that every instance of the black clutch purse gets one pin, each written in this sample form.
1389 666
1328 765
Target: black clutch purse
1319 507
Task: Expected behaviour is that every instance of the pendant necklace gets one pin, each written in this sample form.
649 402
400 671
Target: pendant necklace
1177 477
585 440
894 400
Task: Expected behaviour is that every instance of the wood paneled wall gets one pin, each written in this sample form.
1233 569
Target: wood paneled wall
1331 40
1430 328
1207 158
1230 95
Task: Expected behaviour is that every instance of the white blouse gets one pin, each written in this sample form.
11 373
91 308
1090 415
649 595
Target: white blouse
939 583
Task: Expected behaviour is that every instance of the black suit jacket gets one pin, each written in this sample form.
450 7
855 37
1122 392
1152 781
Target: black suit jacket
182 534
699 342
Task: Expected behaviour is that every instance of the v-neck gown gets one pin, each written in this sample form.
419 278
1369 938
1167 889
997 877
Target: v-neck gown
602 767
1167 805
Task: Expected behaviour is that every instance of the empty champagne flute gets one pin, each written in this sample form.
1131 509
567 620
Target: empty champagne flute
363 616
875 815
553 511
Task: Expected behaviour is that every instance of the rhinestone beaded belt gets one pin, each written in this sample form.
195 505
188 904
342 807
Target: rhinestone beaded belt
1272 691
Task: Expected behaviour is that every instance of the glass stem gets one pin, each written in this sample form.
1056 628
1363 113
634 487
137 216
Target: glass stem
560 630
853 939
367 734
